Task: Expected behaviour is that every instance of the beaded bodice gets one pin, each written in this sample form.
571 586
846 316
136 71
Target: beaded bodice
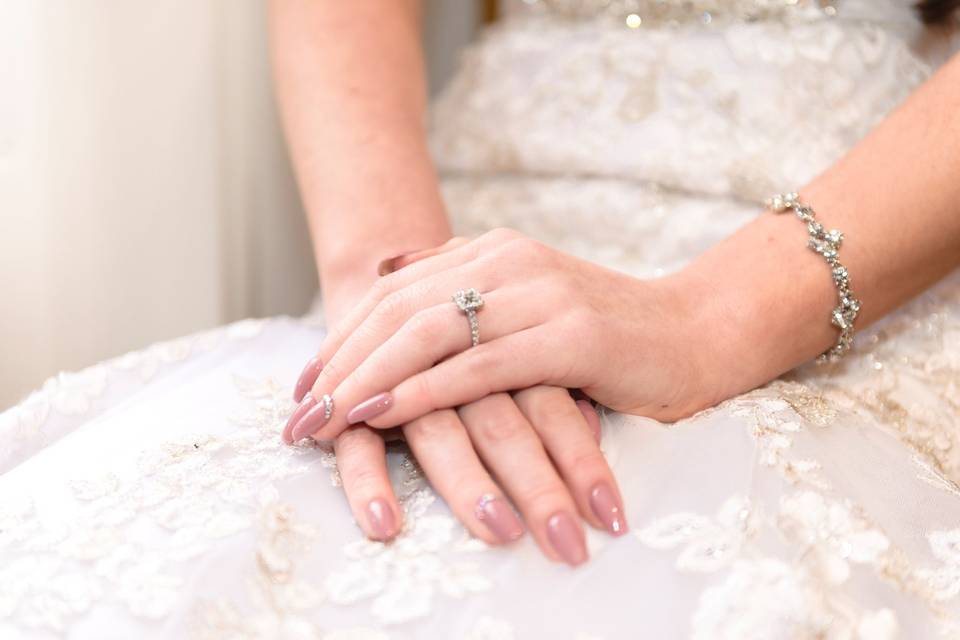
637 14
740 98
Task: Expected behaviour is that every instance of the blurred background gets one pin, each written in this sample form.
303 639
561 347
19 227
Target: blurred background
145 191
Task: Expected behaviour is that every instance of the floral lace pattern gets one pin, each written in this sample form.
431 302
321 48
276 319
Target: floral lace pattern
25 428
824 505
764 595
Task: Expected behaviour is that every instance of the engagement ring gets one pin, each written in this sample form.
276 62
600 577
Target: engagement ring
469 300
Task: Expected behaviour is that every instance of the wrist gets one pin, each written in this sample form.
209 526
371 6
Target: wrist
762 305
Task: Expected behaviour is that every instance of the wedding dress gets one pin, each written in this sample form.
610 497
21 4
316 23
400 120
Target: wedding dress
150 496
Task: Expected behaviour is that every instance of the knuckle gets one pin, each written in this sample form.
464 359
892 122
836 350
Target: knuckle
531 247
501 235
497 428
433 426
582 321
545 496
353 443
365 478
423 393
424 327
553 412
564 291
383 286
588 462
327 379
392 305
480 361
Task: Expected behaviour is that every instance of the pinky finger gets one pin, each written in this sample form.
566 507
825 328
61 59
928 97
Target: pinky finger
362 462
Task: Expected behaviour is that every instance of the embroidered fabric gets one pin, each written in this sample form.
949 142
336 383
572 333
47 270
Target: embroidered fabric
151 497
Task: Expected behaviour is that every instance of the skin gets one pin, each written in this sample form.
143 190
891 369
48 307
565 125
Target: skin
751 308
353 111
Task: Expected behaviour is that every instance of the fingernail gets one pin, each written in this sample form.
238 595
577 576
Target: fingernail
370 408
306 403
590 415
383 524
607 508
566 538
499 518
316 417
307 377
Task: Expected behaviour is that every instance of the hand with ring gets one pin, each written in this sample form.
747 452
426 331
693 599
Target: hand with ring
546 318
540 445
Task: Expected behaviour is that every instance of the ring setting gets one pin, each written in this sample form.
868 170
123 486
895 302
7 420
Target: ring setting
327 406
469 301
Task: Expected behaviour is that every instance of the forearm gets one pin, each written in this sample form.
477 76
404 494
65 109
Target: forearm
896 197
351 87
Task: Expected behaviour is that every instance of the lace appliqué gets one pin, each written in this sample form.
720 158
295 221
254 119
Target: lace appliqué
763 595
400 579
25 428
707 544
128 538
944 581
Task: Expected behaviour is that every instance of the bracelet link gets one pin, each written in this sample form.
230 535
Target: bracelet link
827 244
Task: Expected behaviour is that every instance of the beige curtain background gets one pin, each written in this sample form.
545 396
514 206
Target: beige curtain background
144 188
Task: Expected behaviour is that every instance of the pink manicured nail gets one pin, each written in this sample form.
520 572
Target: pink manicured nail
316 417
499 518
307 377
607 508
590 415
380 517
306 403
566 538
370 408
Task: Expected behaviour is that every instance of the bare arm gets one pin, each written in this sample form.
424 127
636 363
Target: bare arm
351 87
749 309
896 197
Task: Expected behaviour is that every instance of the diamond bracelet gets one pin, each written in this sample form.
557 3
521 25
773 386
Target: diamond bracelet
827 244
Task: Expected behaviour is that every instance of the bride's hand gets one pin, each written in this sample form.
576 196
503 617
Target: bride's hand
548 318
541 445
543 451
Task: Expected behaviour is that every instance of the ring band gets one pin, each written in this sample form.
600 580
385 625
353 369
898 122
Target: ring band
469 301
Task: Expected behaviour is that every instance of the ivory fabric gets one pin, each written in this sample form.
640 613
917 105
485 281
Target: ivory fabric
150 496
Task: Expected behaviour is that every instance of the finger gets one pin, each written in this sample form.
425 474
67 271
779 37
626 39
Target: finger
307 377
391 283
362 462
509 447
515 361
388 317
404 278
592 417
568 439
430 336
404 259
290 433
443 449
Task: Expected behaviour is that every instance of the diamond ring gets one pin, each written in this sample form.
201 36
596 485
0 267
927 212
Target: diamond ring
469 300
327 406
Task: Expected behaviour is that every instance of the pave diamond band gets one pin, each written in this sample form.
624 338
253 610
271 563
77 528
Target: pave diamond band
827 244
469 301
327 406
